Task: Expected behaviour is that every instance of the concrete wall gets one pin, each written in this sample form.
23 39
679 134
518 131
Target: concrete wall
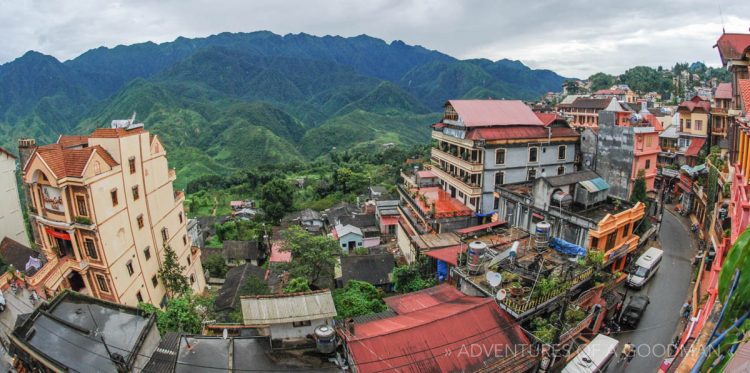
289 331
344 241
615 155
11 216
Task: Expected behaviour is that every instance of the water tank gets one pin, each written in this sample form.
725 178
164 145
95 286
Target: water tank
542 235
325 339
474 256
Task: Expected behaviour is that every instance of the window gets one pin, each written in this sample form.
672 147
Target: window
531 175
81 205
499 178
649 141
131 163
625 230
496 204
192 278
648 164
139 221
102 282
129 266
299 324
611 239
139 297
184 239
561 152
180 216
699 124
561 170
113 194
164 235
533 154
154 280
147 253
91 249
136 195
687 123
500 156
594 242
188 260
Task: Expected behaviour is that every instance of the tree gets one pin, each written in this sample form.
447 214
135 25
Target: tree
639 188
216 265
182 314
313 257
297 285
358 298
413 277
276 198
644 79
601 81
171 273
254 286
570 86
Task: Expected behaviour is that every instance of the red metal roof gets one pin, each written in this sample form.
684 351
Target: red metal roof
654 122
431 323
279 256
723 91
481 227
448 254
477 113
445 205
610 92
389 220
732 46
695 147
547 118
519 132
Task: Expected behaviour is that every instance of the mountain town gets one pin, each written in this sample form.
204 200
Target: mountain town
259 202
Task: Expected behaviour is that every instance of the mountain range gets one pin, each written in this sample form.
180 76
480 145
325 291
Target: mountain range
238 100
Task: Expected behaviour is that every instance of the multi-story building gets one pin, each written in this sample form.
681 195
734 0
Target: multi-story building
625 145
694 126
105 210
11 216
584 111
483 143
720 116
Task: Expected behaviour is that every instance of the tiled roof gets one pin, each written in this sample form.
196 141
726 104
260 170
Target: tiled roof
71 141
695 103
695 147
234 250
743 86
235 279
476 113
71 162
732 46
519 132
610 92
591 103
547 118
723 91
115 132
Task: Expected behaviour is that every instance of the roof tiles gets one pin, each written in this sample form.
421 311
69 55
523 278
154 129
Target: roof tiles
71 162
476 113
732 46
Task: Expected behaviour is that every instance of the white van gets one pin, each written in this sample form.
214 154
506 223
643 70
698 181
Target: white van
594 357
645 267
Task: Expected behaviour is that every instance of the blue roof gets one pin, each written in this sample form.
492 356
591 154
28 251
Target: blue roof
594 185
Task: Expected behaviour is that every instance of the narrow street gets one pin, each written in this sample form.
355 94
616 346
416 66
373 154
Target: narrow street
15 305
667 291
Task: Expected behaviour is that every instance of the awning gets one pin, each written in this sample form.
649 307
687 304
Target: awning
448 254
56 234
481 227
695 147
594 185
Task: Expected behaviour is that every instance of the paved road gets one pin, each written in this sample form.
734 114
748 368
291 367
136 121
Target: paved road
16 304
667 290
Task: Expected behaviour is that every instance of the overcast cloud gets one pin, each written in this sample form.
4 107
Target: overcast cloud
573 38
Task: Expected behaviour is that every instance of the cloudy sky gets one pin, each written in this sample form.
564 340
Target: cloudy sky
574 38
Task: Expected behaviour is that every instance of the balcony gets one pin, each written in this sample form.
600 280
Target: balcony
179 196
466 163
172 174
467 188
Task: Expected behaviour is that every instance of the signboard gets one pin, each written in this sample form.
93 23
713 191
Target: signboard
52 199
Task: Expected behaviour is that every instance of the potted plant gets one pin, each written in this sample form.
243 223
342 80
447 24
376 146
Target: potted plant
516 289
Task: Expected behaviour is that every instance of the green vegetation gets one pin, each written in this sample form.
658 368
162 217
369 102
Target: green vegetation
358 298
171 274
276 198
413 277
182 314
297 285
601 81
638 194
314 257
254 286
216 265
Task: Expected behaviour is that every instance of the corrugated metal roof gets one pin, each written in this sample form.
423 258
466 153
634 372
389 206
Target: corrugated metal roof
343 230
448 254
286 308
474 113
723 91
430 324
594 185
695 147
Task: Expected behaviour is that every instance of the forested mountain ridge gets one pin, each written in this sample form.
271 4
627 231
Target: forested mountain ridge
232 101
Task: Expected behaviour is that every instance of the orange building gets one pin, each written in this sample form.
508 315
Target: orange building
104 210
615 237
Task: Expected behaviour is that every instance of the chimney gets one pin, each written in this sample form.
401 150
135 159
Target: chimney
26 148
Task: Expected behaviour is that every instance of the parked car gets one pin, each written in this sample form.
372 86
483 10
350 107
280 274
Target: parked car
645 268
633 312
2 302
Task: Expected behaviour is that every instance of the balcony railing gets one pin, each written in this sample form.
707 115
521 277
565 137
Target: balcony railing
466 163
465 186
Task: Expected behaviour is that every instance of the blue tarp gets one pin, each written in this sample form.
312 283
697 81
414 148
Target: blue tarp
567 248
442 270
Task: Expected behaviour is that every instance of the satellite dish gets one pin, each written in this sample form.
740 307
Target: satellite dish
501 294
494 278
225 334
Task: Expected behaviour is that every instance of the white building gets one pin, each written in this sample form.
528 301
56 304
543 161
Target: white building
11 217
289 316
